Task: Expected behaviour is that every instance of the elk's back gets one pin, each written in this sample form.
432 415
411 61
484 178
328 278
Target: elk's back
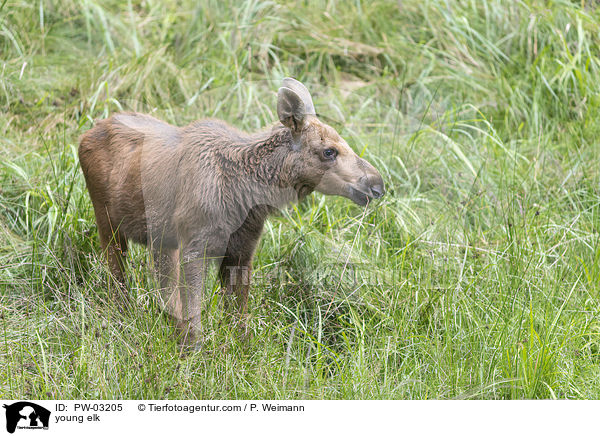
130 165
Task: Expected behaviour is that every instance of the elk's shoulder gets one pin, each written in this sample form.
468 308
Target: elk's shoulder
215 130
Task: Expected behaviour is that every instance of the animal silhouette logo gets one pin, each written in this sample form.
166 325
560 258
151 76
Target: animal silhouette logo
24 414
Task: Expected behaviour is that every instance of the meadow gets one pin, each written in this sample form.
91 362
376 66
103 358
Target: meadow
477 276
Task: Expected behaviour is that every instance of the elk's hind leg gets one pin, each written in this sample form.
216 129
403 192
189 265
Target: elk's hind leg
114 245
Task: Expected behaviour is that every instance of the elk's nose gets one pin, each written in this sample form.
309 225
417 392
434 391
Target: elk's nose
377 191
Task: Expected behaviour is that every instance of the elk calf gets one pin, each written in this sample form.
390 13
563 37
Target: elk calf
204 191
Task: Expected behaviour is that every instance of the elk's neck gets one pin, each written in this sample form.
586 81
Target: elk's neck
269 171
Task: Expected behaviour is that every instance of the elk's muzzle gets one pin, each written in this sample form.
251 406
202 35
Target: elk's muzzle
369 187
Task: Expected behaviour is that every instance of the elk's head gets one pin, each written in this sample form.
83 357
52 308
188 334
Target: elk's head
326 163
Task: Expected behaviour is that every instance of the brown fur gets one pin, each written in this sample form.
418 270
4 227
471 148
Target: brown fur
204 191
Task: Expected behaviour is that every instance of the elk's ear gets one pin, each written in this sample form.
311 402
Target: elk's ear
302 92
290 109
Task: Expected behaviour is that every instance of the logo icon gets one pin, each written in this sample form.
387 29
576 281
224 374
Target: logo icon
24 414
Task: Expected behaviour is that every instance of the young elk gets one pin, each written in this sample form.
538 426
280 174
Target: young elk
204 191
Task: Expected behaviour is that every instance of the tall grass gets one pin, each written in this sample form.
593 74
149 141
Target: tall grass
477 276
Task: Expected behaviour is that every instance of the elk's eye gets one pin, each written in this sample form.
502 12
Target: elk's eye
330 153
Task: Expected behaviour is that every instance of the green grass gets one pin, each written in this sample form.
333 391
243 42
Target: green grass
477 276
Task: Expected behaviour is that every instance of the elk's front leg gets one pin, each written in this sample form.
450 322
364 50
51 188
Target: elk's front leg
195 258
236 268
190 290
235 280
166 266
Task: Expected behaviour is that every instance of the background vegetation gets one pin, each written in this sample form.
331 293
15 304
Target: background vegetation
477 276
